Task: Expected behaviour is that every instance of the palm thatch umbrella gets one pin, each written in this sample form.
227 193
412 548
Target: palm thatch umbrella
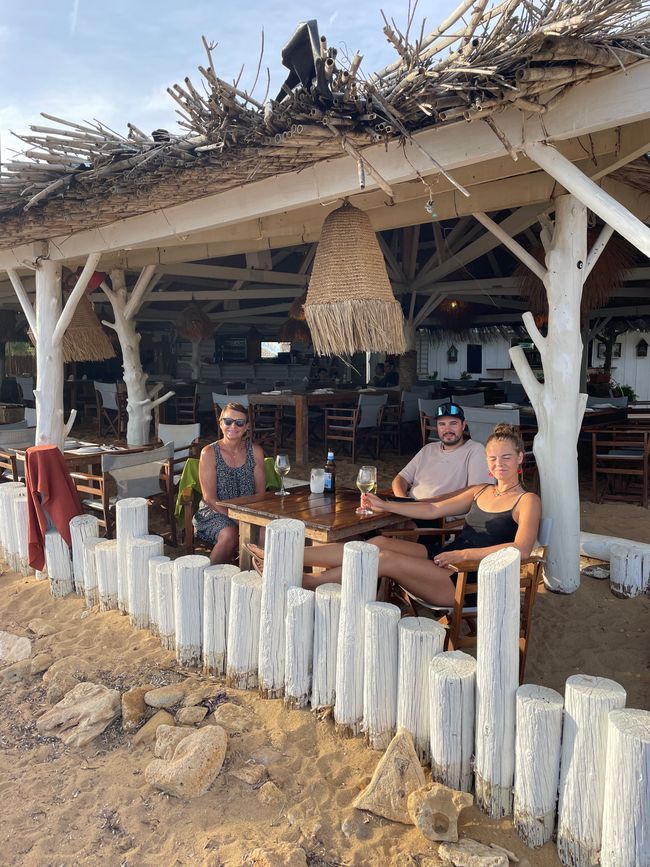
350 305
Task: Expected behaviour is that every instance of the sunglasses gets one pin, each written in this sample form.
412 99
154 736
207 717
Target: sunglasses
448 409
240 422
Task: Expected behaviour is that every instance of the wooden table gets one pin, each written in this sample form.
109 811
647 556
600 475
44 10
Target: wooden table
327 518
302 401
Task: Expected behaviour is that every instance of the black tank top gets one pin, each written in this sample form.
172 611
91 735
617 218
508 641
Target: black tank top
483 529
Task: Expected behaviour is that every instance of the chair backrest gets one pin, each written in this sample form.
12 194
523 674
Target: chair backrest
137 475
481 420
108 394
234 389
544 531
26 385
370 406
30 416
16 425
464 400
515 392
182 435
429 407
607 401
18 437
221 400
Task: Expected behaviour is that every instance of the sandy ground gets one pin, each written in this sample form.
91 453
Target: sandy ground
92 805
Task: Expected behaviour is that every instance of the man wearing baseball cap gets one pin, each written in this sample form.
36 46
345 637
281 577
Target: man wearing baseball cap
443 468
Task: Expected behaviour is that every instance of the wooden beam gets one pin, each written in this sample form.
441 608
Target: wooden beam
514 246
599 245
223 272
25 303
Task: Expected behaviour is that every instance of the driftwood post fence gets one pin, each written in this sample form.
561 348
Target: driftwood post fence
342 649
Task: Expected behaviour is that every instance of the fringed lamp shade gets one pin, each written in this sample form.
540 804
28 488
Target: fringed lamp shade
455 316
295 331
297 309
85 339
350 305
194 323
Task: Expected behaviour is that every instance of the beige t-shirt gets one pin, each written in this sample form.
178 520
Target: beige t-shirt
435 471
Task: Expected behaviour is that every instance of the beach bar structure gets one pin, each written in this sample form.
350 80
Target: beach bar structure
507 109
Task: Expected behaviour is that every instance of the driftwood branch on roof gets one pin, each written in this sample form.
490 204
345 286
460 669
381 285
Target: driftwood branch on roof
478 62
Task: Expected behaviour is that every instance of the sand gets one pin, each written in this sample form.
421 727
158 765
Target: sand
92 805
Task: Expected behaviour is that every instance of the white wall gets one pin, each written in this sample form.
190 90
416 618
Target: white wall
495 355
628 369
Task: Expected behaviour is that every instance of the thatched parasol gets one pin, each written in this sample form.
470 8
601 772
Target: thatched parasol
350 305
194 323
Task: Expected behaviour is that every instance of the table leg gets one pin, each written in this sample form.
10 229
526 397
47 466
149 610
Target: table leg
244 538
302 430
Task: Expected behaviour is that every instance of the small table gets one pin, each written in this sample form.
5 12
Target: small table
327 518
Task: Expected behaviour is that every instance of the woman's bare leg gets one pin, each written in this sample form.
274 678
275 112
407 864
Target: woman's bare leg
418 576
315 555
226 546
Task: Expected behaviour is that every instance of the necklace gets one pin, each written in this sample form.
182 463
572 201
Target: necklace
498 493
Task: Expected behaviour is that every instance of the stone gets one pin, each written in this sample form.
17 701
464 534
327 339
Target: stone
196 693
435 809
85 712
233 717
471 853
41 662
13 648
147 733
270 795
73 665
40 627
60 685
168 738
194 766
253 774
398 773
165 696
133 708
282 855
16 672
189 716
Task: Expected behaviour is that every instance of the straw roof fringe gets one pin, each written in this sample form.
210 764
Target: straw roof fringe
84 339
75 176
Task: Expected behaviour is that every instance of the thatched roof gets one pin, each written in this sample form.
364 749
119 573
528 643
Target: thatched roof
471 67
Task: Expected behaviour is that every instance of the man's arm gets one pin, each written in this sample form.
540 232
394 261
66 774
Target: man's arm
400 486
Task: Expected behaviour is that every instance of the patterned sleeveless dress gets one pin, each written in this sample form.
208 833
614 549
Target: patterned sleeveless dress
231 482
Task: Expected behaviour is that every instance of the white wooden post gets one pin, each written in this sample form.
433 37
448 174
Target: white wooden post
558 404
20 521
629 571
284 547
13 544
188 607
154 610
299 647
48 393
81 527
6 506
58 564
139 403
626 813
537 762
139 552
89 559
327 611
380 673
587 703
358 586
497 679
106 564
599 547
420 639
244 630
452 687
216 605
131 521
166 605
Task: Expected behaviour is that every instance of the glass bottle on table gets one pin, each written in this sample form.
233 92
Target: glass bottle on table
330 474
366 482
282 468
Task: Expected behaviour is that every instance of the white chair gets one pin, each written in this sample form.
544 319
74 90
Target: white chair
30 416
481 420
220 400
427 410
109 407
183 436
464 400
26 385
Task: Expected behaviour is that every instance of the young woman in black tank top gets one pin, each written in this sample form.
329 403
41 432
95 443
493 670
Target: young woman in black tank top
497 516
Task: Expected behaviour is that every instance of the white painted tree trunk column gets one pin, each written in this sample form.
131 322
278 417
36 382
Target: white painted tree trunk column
188 607
244 630
558 404
21 523
216 606
299 646
380 673
537 762
58 564
106 564
326 630
588 701
131 522
358 586
629 571
81 527
88 553
626 813
497 679
49 356
284 548
452 687
7 491
420 639
139 551
154 595
195 360
166 605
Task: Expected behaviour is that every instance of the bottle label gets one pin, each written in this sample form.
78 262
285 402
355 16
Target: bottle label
328 481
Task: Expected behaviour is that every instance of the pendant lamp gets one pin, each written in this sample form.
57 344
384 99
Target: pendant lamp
350 305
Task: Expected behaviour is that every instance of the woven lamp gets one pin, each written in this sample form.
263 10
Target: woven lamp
194 324
350 305
84 338
295 331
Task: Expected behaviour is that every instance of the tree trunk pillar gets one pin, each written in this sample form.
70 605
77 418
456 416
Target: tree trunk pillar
139 552
299 647
131 521
89 559
216 606
629 571
81 527
326 630
380 673
21 523
166 604
106 561
154 603
58 564
452 686
244 630
49 355
188 607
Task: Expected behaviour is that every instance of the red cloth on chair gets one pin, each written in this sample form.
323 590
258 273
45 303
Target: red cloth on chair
50 491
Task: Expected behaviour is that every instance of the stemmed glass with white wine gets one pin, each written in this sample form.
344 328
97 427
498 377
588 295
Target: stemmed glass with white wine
366 482
282 467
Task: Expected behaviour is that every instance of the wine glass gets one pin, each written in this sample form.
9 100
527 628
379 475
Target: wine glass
366 482
282 467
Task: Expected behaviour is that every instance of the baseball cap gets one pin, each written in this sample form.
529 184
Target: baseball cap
450 409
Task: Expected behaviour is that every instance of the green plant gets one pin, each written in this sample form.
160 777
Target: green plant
626 391
466 375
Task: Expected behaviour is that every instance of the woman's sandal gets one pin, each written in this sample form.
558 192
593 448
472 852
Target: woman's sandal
258 565
256 561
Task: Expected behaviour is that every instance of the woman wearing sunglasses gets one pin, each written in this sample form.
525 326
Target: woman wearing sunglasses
231 467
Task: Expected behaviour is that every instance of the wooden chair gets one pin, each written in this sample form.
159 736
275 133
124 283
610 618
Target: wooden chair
427 409
266 425
184 405
481 420
477 399
111 409
185 438
147 474
26 387
219 400
350 425
390 431
621 457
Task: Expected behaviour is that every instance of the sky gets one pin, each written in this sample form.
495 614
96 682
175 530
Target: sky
85 59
